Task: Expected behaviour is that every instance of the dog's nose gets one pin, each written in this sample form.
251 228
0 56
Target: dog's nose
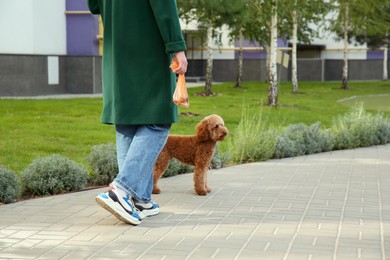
225 132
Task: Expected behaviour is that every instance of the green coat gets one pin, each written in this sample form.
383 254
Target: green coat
140 37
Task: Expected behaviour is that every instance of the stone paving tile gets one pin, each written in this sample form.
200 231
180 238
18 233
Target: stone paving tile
332 205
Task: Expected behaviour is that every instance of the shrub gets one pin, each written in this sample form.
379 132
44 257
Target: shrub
360 129
53 174
382 128
175 167
9 186
103 161
253 139
217 161
301 139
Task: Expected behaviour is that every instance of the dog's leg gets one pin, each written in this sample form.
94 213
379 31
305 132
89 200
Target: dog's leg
159 169
200 180
206 181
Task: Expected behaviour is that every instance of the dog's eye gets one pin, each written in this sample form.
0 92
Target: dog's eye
216 126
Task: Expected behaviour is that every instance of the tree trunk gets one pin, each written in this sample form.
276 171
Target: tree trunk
209 67
294 70
385 53
268 62
240 63
346 29
273 80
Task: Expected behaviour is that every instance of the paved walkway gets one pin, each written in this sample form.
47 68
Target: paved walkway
332 205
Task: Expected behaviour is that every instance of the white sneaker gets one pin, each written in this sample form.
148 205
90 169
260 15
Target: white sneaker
121 207
147 209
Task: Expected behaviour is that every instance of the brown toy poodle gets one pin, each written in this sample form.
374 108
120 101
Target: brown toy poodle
196 150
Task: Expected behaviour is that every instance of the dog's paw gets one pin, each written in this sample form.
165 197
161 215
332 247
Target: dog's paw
201 192
156 191
208 189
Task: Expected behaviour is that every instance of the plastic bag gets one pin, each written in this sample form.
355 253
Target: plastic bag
180 96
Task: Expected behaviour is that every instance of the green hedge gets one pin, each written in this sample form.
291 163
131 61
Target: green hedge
103 161
9 186
52 175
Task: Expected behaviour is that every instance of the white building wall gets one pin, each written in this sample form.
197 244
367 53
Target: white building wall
333 47
225 43
218 53
32 27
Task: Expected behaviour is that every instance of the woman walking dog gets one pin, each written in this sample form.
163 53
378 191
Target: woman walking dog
140 40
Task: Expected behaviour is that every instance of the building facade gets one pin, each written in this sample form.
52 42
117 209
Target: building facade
48 47
54 46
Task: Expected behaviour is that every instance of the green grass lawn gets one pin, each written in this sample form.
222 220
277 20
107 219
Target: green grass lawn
70 127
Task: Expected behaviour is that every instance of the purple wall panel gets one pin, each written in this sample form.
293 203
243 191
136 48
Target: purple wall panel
76 5
81 30
375 55
250 55
255 55
282 43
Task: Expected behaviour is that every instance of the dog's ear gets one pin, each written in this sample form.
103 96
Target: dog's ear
202 131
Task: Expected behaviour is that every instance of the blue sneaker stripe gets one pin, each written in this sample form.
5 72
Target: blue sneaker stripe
127 200
103 195
135 215
110 202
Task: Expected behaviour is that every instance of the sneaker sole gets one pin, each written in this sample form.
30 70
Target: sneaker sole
149 212
115 209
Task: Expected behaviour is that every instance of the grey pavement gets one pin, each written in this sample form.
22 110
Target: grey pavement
333 205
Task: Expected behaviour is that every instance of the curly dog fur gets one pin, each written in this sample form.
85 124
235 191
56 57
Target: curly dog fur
196 150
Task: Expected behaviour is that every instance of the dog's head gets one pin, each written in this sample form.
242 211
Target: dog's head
211 127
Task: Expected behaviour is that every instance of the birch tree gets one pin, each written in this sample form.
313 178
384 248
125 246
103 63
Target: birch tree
385 55
240 61
212 15
206 13
357 18
209 67
251 21
257 30
343 26
376 32
236 15
273 72
302 14
264 29
270 26
345 16
294 41
239 16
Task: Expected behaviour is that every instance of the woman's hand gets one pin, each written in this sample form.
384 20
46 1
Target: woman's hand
182 60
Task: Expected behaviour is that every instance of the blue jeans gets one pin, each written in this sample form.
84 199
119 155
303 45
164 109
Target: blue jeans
138 147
